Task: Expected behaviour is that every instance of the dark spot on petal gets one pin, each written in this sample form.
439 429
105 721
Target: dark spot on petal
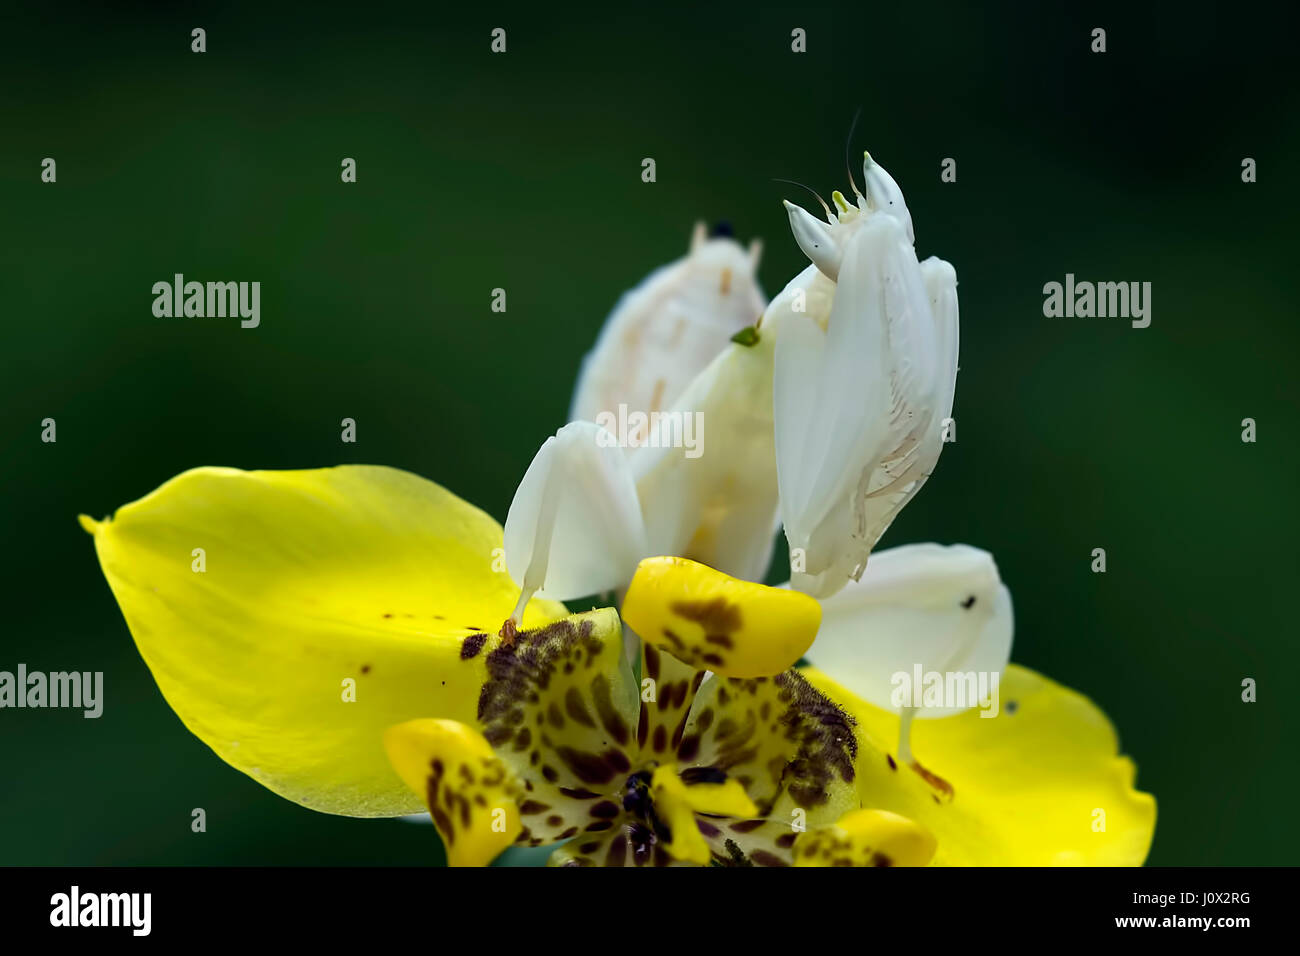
694 775
587 767
617 853
554 716
610 718
718 616
660 741
651 661
708 829
642 727
576 707
689 747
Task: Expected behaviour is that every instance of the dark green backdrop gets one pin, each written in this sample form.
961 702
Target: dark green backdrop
523 171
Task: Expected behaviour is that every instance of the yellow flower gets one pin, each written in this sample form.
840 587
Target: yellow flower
1040 784
352 637
333 634
310 579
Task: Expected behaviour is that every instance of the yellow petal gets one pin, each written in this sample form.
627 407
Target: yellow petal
711 791
472 796
675 810
1040 784
713 621
330 605
866 838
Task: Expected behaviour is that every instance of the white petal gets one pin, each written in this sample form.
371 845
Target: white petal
575 527
913 606
667 329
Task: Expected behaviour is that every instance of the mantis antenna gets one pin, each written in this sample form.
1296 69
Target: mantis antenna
829 216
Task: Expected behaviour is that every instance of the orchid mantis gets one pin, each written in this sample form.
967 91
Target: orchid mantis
825 420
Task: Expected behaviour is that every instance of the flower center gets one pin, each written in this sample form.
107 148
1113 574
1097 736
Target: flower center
645 830
636 795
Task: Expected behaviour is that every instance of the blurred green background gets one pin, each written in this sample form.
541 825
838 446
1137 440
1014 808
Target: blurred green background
523 171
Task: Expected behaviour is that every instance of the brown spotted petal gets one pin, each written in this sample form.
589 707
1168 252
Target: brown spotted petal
471 795
749 842
668 690
663 823
559 707
627 844
867 837
719 623
788 744
731 841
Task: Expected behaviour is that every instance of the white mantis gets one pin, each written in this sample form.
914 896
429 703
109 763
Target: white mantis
662 333
826 420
